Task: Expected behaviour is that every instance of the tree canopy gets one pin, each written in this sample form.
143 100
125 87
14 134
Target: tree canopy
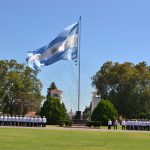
51 87
104 111
53 109
127 86
20 90
87 112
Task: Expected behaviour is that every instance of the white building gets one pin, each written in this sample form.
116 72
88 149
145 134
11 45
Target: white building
70 114
56 93
95 99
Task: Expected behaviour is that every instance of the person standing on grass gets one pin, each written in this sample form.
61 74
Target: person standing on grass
5 120
123 123
44 121
109 124
1 120
39 121
115 124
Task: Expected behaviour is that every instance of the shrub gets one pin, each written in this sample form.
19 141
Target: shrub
68 123
104 111
93 124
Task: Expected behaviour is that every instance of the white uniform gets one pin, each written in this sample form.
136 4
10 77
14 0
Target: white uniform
9 120
115 124
123 123
1 120
31 121
13 120
17 121
35 121
44 121
28 121
39 121
5 120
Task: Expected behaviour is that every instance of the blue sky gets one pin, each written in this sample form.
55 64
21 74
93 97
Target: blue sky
116 30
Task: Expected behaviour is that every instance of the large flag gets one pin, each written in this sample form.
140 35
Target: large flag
63 47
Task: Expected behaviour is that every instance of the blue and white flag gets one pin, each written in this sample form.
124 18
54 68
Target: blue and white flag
63 47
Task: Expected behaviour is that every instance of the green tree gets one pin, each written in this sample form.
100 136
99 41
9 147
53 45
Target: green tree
87 112
127 86
52 87
54 111
104 111
20 90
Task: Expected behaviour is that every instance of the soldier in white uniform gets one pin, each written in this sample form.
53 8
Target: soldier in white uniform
132 125
9 123
44 121
115 124
17 121
127 126
5 120
140 124
28 121
39 121
147 125
32 122
24 121
13 121
1 120
123 124
109 124
144 125
35 121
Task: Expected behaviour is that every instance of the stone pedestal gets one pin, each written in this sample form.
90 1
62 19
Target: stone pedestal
78 115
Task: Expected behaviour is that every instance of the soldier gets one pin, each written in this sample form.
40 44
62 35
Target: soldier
123 123
17 121
32 122
109 124
9 123
24 121
28 121
144 125
39 121
132 125
44 121
140 125
13 121
1 120
147 125
136 125
127 124
21 120
5 120
115 124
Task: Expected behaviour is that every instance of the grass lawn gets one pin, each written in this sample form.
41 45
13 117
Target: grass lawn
43 139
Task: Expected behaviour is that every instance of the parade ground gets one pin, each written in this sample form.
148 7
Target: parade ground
56 138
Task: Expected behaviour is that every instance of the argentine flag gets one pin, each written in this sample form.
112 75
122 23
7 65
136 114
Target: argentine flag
63 47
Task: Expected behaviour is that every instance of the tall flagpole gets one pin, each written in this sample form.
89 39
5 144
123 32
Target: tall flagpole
79 41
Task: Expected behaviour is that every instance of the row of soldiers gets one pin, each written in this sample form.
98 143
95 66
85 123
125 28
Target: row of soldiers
136 125
25 121
143 125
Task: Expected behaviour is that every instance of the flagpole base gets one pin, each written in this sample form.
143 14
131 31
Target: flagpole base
78 115
78 121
